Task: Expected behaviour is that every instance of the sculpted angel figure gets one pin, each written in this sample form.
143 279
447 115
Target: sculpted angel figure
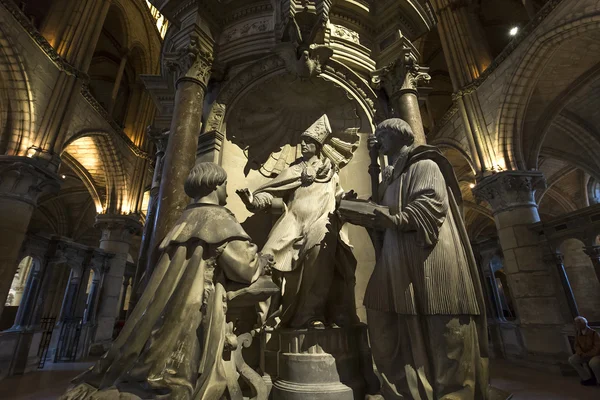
313 257
173 344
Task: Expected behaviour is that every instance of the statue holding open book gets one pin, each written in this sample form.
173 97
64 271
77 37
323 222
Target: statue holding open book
425 308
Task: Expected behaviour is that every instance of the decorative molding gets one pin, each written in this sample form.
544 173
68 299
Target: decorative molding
87 95
242 31
41 40
341 32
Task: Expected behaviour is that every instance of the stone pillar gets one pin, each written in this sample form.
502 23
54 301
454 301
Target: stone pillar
400 80
69 301
539 300
557 259
117 232
89 315
193 65
126 283
21 182
467 54
594 253
118 79
143 270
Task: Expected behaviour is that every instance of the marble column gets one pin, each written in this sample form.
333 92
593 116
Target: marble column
468 55
117 232
22 180
540 302
143 269
594 253
400 80
193 67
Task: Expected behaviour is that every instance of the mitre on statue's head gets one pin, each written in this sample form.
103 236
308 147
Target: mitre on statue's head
319 130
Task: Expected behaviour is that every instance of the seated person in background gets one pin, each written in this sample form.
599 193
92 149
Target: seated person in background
587 352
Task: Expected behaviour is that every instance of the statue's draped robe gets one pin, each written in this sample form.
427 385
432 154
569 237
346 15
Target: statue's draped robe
171 346
309 249
424 301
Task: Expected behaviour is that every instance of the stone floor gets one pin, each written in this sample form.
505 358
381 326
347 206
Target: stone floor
524 383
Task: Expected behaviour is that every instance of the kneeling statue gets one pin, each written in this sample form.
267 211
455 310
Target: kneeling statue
172 345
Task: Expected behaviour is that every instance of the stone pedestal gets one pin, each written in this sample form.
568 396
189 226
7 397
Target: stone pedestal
318 363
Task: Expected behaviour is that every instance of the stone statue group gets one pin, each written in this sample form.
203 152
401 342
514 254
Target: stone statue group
425 310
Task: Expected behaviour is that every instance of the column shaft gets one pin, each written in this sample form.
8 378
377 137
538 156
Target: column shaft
117 85
540 302
117 231
180 154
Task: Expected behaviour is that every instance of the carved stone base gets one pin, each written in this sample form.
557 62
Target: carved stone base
317 363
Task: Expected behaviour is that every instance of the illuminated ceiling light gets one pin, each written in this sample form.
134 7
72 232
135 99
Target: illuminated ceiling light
513 31
471 185
63 176
31 152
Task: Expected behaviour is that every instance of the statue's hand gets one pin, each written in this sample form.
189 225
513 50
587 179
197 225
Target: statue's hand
384 221
268 263
373 143
246 197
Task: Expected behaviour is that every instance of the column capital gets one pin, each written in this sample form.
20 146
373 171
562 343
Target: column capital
160 138
508 190
401 76
118 227
192 62
24 179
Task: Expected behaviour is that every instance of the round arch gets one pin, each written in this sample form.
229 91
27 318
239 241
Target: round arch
99 163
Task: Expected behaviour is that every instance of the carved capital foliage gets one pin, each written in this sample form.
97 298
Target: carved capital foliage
508 190
191 62
118 227
22 179
401 76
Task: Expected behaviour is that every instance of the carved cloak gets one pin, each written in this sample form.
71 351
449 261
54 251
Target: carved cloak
429 268
172 344
308 217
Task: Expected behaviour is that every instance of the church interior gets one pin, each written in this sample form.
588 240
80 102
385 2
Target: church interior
106 105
